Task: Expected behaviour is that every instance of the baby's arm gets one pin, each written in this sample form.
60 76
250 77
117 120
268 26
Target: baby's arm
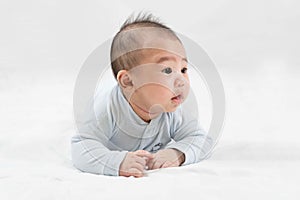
90 151
191 143
90 155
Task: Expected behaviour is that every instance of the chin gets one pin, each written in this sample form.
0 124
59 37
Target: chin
172 109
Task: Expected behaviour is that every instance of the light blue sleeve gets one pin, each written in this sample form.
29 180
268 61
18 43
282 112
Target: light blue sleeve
189 137
89 146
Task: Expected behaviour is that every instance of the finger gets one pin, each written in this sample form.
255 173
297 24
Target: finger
175 164
157 164
143 153
150 163
166 164
141 161
138 166
135 172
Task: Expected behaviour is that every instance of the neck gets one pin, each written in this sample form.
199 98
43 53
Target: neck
142 113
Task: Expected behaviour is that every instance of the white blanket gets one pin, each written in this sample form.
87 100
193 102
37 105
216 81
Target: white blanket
251 161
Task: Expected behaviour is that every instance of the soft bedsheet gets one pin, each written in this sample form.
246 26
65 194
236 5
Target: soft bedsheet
257 156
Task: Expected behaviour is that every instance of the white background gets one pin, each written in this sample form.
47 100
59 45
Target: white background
254 44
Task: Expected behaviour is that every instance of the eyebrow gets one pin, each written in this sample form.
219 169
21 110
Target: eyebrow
166 58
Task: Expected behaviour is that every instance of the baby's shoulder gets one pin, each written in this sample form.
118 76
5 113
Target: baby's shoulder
102 101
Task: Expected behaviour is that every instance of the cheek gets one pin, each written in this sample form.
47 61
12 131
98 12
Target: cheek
156 93
186 76
187 82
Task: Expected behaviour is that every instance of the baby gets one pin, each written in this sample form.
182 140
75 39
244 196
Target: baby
141 124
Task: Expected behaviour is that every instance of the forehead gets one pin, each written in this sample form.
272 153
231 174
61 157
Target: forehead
162 55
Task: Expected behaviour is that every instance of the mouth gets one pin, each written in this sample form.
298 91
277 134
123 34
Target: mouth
177 99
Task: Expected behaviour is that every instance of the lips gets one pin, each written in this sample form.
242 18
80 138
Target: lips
177 99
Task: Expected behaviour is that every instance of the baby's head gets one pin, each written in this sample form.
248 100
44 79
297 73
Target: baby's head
149 62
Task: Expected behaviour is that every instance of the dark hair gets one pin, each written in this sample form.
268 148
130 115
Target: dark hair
131 57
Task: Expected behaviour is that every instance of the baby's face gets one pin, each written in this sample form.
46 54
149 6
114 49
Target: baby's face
160 83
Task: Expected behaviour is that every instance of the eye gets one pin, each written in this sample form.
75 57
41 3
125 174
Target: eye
184 70
167 70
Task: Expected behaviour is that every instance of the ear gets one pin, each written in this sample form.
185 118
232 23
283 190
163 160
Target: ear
124 79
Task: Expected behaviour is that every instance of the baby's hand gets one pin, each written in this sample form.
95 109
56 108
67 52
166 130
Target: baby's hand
134 163
166 158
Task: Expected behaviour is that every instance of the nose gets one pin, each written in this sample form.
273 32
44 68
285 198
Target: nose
179 82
